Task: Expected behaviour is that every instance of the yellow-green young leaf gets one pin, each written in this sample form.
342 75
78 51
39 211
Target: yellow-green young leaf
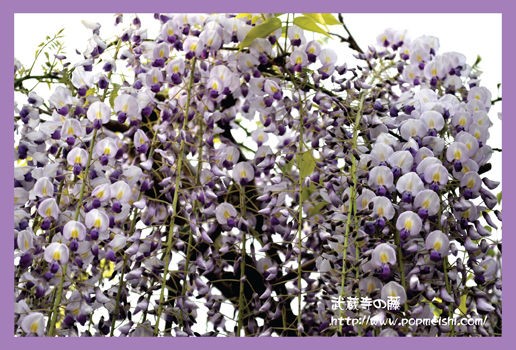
318 17
256 19
305 163
309 24
463 308
244 15
326 19
316 209
477 61
306 192
499 197
65 79
330 19
287 168
113 95
435 310
90 92
261 31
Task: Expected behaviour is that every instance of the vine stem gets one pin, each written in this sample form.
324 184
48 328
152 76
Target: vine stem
52 319
59 293
56 36
300 211
86 172
353 189
350 39
241 305
352 199
194 207
118 293
300 217
57 300
401 265
445 259
122 274
175 199
448 286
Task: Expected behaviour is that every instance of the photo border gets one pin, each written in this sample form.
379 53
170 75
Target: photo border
9 8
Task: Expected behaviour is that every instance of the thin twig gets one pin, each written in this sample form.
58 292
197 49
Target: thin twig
350 40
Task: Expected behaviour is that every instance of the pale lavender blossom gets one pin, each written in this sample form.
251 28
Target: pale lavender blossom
243 172
381 179
44 187
438 244
409 224
48 208
126 107
225 214
383 254
427 202
57 252
98 220
25 240
74 230
394 289
34 323
99 113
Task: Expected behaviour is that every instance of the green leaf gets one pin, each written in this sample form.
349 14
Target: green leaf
287 168
65 78
90 92
244 15
305 163
309 24
463 308
330 19
306 192
477 62
316 209
499 197
113 95
326 19
261 31
435 310
317 17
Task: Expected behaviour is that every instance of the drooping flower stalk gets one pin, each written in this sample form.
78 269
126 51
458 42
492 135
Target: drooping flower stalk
401 265
300 216
242 304
352 197
121 283
170 236
59 292
200 136
118 295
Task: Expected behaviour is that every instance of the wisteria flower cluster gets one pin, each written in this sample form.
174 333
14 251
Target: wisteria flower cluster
231 176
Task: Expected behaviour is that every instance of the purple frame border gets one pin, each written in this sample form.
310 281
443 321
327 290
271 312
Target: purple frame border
9 8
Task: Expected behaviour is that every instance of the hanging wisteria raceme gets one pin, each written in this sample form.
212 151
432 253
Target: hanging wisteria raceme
224 179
